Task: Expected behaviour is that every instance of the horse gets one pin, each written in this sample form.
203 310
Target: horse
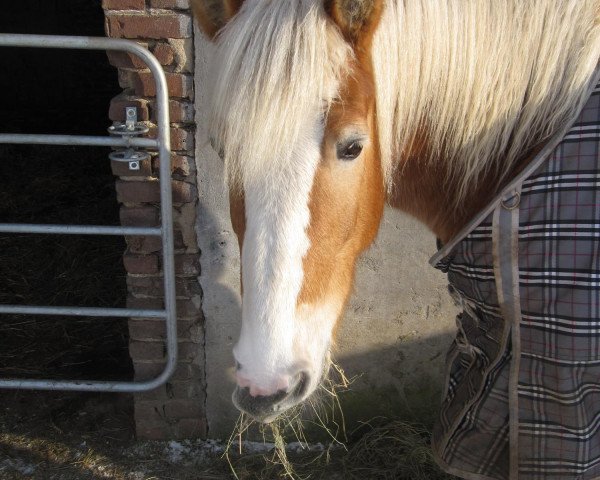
324 110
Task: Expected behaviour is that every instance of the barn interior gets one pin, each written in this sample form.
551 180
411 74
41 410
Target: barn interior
58 92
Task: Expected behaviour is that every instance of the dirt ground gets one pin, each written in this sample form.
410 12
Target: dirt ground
58 436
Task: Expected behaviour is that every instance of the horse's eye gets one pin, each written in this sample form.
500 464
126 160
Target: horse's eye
349 151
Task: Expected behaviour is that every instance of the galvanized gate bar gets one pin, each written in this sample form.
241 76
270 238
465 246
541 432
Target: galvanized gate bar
77 229
88 141
83 311
162 143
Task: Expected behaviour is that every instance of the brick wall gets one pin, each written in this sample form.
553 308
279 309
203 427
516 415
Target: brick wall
175 410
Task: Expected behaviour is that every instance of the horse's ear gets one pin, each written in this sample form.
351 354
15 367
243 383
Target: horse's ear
212 15
357 19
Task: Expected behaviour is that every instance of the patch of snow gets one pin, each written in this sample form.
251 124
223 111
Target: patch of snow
137 476
175 451
253 447
190 452
18 465
301 447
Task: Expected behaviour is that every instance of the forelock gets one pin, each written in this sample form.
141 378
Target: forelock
277 64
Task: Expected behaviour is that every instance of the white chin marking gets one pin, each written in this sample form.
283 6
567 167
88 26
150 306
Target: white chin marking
278 340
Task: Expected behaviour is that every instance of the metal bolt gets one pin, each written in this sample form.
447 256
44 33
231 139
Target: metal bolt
130 118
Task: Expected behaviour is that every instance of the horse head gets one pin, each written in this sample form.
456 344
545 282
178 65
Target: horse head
293 112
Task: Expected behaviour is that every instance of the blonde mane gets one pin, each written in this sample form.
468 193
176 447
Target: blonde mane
488 79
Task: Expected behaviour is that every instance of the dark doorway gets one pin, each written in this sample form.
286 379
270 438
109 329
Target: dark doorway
59 91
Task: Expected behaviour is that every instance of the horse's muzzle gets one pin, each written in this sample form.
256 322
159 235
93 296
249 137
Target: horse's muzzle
267 408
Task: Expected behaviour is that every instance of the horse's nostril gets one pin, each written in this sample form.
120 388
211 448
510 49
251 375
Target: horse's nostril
301 386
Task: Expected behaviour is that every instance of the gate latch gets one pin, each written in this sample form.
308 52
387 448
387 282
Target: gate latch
130 128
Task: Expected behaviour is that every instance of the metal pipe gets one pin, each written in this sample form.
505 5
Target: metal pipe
162 143
82 311
77 229
166 208
86 140
86 386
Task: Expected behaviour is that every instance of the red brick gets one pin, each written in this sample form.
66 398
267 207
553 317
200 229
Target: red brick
145 285
164 53
121 169
144 329
147 329
183 374
154 351
144 431
183 409
123 4
182 139
150 413
189 351
181 112
124 79
142 244
125 60
186 428
178 4
151 244
164 392
148 371
118 104
189 389
142 302
144 282
140 264
186 308
183 192
179 242
146 350
180 165
153 286
179 85
143 26
146 216
187 264
191 330
149 191
189 428
175 53
138 192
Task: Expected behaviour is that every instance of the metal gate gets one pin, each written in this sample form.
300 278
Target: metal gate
165 231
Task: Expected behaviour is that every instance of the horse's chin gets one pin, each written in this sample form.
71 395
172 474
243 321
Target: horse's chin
268 409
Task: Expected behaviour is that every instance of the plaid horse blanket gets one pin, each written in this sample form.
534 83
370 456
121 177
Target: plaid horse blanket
522 392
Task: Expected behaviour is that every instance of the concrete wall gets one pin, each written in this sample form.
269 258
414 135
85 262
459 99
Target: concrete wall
397 327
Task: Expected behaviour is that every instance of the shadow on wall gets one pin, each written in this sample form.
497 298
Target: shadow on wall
401 381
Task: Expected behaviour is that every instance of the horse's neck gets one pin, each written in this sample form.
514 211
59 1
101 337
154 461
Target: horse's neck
425 190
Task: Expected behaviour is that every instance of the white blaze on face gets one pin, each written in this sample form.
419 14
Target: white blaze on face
279 340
